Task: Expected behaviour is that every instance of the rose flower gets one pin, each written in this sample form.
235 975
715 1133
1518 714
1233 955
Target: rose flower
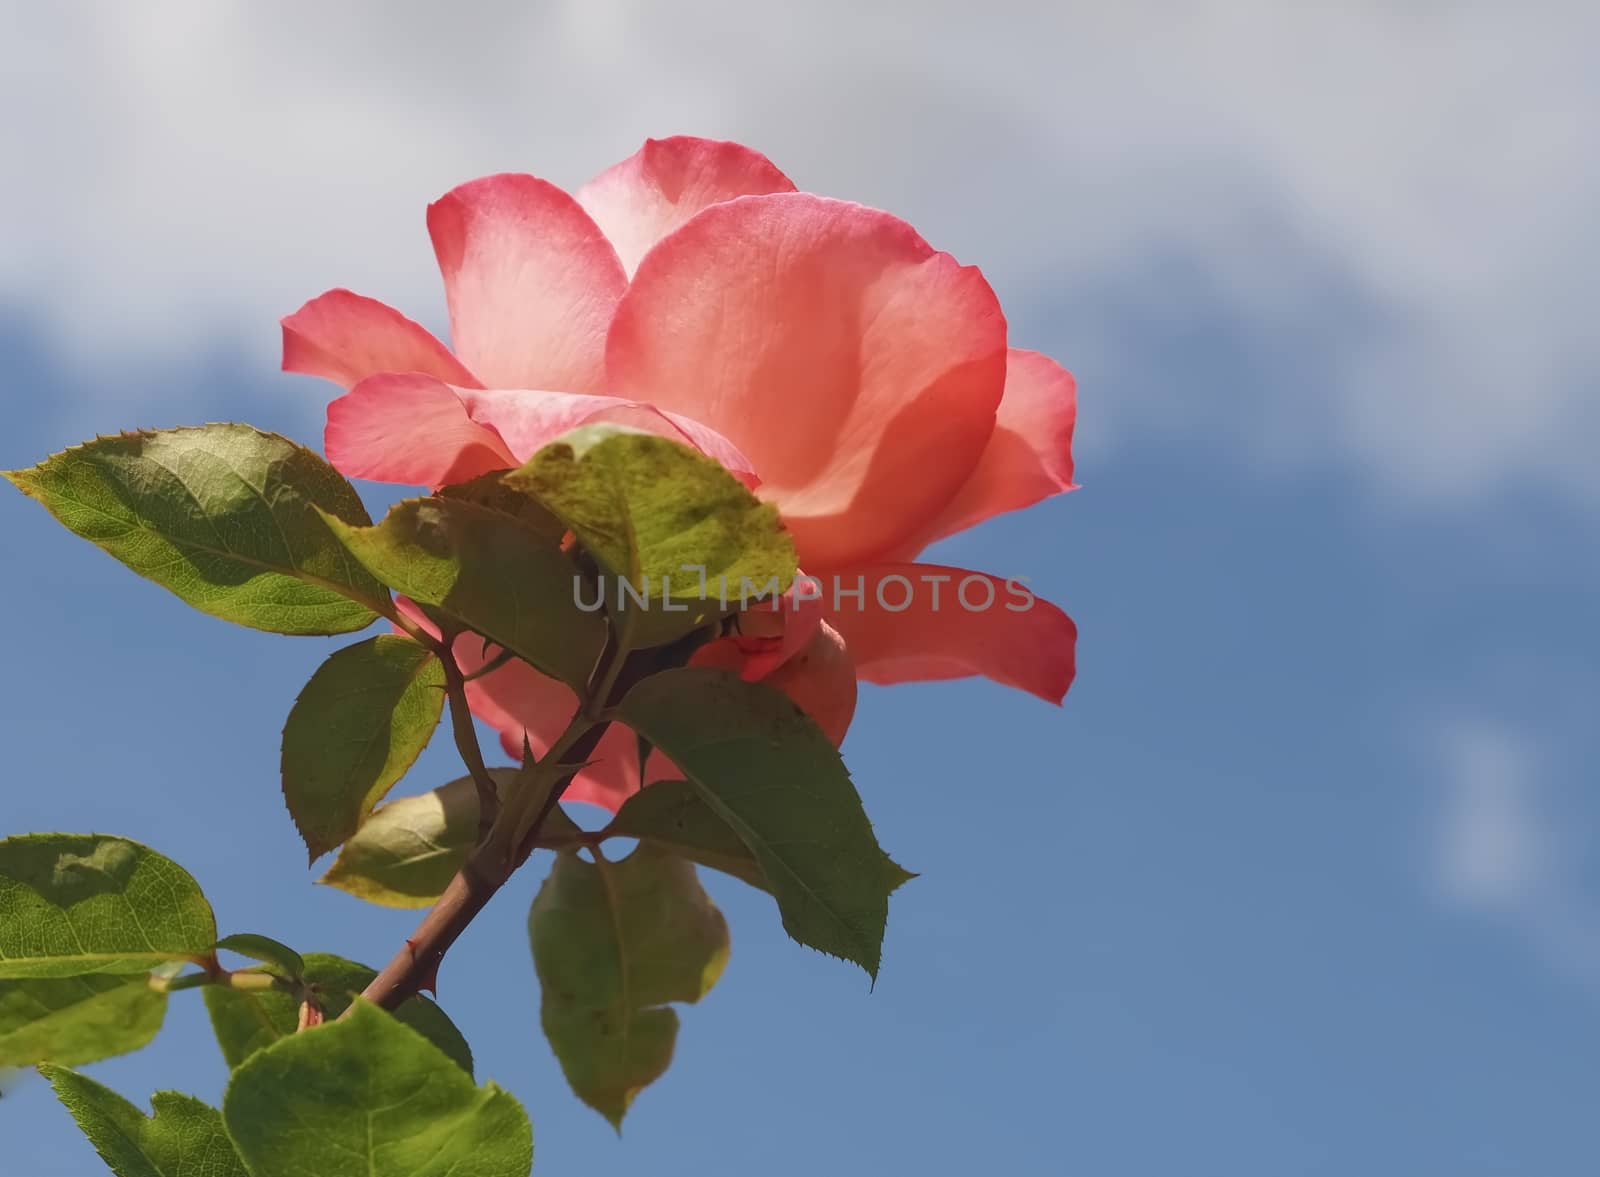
821 350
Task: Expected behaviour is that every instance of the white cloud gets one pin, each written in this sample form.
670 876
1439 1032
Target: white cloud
1504 849
181 173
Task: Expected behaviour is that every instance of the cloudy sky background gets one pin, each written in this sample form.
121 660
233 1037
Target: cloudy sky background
1303 878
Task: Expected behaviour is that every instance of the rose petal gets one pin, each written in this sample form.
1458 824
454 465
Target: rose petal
961 623
346 337
1029 456
772 632
516 701
820 677
859 369
713 445
530 280
529 418
648 195
411 429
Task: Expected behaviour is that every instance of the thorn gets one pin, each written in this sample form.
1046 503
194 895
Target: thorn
429 981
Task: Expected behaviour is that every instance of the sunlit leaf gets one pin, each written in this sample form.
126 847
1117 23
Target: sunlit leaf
367 1096
408 850
492 491
656 513
225 516
183 1138
72 904
76 1020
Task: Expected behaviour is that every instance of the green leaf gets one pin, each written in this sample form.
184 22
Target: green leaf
490 573
247 1020
406 853
492 491
408 850
75 1020
366 1096
646 508
225 516
671 815
897 875
766 769
267 950
72 904
357 727
184 1137
613 943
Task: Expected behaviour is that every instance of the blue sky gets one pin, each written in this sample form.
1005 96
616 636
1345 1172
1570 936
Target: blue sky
1301 880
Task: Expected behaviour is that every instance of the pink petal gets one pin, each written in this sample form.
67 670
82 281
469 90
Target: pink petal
528 419
772 632
411 429
530 280
516 700
1029 456
953 623
859 369
347 337
667 181
712 444
820 677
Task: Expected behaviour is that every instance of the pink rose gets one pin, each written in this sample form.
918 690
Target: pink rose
820 349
